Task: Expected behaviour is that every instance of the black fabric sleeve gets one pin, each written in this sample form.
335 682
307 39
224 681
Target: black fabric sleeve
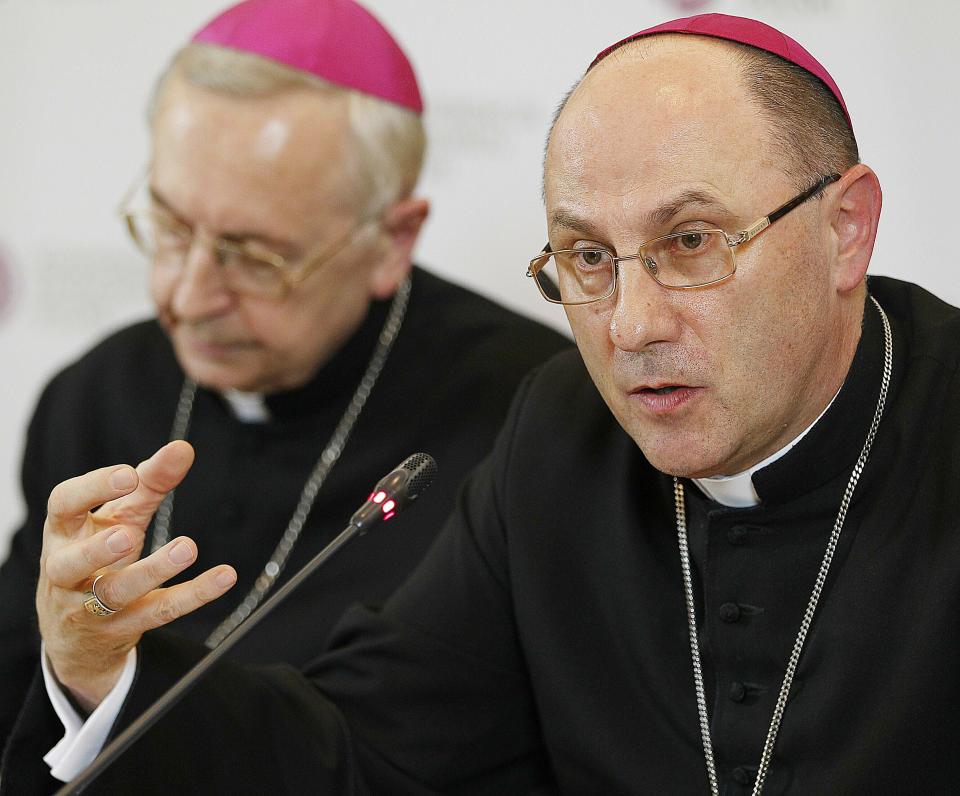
428 695
240 731
19 636
434 685
37 730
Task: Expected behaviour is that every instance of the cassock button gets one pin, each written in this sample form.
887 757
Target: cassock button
729 612
737 534
737 691
742 775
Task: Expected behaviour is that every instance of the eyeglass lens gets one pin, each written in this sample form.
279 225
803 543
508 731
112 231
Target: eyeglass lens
683 259
168 244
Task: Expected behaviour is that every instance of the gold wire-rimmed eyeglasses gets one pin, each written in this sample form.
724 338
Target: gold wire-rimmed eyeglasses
681 260
248 267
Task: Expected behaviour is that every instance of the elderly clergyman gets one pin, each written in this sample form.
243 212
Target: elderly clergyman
295 348
720 553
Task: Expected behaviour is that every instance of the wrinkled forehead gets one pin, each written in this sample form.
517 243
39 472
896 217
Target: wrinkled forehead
660 111
296 129
276 162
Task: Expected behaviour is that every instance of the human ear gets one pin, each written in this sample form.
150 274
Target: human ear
855 212
401 223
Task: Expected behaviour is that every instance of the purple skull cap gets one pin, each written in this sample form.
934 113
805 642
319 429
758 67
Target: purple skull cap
336 40
746 31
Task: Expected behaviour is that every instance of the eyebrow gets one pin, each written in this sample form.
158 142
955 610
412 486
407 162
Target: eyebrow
568 219
669 210
658 217
275 244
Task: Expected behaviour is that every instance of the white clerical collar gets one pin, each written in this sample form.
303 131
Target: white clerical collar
247 407
737 491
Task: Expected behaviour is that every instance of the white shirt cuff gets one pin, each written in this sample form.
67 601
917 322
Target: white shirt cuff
83 740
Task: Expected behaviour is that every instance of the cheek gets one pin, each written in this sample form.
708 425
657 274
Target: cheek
711 325
160 285
291 335
590 326
758 349
750 325
274 327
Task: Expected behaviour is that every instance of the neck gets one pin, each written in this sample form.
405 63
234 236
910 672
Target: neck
737 489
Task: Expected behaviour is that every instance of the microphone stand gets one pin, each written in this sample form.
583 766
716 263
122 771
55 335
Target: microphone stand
158 709
402 486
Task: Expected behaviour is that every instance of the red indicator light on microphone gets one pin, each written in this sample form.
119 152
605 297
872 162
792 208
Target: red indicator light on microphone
388 516
389 506
379 497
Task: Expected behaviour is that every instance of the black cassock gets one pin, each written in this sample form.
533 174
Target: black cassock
542 644
445 389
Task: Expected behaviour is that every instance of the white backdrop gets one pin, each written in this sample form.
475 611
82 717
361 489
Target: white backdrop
74 76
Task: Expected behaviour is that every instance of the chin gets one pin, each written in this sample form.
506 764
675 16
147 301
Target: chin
679 466
219 377
684 456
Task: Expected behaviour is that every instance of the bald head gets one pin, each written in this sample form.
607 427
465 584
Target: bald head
808 128
654 111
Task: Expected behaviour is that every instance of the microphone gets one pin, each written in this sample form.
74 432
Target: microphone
394 492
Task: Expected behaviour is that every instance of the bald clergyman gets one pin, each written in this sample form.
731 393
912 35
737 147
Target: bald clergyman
718 551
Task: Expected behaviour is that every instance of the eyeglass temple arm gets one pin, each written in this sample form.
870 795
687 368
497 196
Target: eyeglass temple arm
759 226
141 177
822 183
545 250
755 229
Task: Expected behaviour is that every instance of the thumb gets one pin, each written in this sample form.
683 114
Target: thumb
157 476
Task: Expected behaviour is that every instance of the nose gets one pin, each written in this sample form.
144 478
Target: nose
645 312
201 290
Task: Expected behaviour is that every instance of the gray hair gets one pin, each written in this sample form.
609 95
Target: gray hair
388 141
805 117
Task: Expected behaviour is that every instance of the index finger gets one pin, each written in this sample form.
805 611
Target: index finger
71 500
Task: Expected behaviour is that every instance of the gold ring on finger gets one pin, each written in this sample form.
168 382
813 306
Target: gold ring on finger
93 603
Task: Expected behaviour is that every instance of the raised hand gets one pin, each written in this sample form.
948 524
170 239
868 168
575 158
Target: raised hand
81 541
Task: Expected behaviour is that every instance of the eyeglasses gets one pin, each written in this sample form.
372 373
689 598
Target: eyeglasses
681 260
248 267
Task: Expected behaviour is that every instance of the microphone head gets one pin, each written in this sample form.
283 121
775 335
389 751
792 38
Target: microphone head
422 469
397 489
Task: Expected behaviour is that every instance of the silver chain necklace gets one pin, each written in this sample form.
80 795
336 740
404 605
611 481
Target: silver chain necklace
811 605
328 458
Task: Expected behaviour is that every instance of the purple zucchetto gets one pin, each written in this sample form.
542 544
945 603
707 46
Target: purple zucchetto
746 31
336 40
